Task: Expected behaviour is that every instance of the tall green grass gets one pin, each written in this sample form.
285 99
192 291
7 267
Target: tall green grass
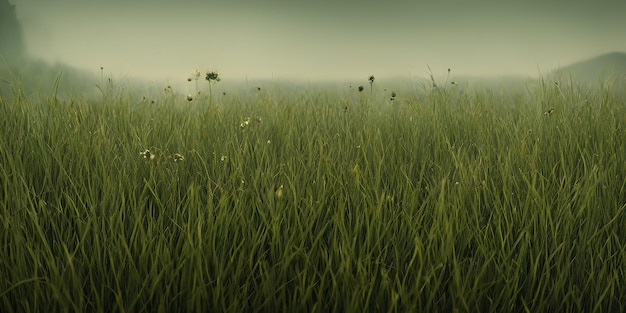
289 200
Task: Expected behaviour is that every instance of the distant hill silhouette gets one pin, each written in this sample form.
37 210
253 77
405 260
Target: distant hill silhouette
11 39
610 65
21 73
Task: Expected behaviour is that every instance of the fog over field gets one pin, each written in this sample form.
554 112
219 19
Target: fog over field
355 156
320 40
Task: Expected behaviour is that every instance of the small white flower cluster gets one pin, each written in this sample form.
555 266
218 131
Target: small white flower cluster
149 155
247 121
178 157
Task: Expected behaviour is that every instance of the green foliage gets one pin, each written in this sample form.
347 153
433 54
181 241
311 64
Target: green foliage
454 200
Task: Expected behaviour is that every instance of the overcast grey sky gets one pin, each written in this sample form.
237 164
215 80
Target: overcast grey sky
321 39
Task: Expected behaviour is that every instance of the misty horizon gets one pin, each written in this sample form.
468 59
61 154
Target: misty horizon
322 41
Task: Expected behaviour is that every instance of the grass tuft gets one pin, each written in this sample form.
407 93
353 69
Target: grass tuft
448 200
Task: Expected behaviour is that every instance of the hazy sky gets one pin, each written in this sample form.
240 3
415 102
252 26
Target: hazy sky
321 39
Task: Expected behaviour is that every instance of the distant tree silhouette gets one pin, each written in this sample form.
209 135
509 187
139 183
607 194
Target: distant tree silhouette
11 40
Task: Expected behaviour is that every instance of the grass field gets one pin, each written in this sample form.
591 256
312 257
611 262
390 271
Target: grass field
282 199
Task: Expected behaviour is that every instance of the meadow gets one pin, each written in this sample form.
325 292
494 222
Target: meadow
285 199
